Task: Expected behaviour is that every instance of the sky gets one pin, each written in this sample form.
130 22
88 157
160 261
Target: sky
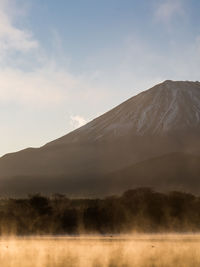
64 62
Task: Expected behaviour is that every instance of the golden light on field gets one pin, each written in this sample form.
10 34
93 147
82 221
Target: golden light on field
137 250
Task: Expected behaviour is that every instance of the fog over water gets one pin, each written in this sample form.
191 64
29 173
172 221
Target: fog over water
96 251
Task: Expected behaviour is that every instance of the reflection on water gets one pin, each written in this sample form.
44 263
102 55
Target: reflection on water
94 251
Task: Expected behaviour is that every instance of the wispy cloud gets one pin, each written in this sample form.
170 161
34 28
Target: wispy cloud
42 87
44 84
166 10
77 121
11 37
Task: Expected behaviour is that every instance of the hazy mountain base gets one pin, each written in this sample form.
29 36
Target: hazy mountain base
137 251
138 210
175 171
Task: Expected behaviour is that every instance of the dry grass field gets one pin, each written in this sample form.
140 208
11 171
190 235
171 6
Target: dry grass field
93 251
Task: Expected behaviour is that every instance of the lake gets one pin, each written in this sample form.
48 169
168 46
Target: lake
98 251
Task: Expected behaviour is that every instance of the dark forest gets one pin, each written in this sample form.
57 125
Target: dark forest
137 210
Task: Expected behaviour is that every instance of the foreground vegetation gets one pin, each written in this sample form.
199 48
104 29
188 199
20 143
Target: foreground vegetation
139 210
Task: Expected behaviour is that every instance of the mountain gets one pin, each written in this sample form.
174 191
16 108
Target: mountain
155 124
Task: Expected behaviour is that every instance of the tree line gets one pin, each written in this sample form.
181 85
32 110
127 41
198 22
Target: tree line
137 210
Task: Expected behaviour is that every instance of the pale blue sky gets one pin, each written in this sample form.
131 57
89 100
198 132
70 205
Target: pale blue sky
64 62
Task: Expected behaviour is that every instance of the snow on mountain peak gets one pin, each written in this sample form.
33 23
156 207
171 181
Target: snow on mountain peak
167 106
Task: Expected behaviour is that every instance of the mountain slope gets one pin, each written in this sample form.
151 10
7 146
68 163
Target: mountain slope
176 171
162 120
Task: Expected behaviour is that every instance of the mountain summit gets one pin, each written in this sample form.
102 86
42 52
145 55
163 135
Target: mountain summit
166 108
110 153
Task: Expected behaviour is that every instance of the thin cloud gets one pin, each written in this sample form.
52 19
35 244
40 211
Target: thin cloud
168 9
11 37
43 85
77 121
